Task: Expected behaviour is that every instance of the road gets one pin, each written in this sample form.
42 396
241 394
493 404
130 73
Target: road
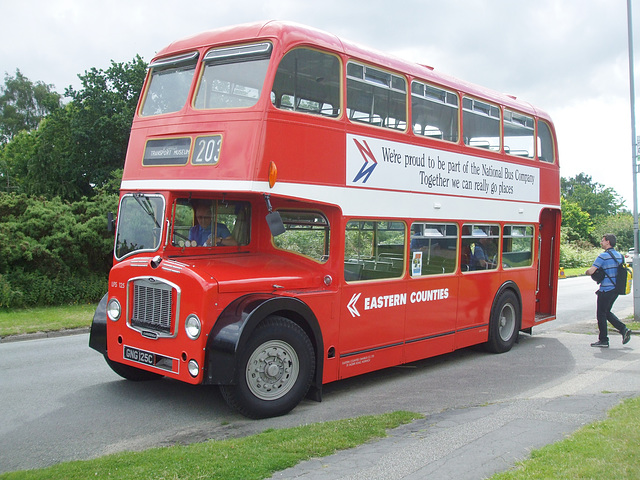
61 402
577 303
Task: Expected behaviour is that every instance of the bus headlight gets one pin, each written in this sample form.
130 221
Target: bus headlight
194 368
113 309
192 326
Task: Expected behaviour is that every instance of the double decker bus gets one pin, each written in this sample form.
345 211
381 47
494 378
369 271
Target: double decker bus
296 209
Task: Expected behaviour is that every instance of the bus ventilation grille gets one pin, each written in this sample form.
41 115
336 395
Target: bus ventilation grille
152 307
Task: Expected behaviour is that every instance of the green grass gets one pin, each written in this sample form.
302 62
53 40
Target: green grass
249 458
574 272
599 451
45 319
604 450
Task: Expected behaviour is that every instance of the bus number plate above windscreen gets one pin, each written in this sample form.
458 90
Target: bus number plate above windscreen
207 150
176 151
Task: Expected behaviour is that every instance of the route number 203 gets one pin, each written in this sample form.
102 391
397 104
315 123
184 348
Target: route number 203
207 150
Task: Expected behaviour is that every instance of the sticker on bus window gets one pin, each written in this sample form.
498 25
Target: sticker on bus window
416 264
167 151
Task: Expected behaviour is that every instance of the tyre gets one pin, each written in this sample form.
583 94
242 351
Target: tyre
505 322
131 373
274 371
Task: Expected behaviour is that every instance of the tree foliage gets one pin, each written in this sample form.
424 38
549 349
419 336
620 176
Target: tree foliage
75 148
621 225
101 119
592 197
23 104
576 222
53 251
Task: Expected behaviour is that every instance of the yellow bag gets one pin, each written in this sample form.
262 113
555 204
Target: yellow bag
627 287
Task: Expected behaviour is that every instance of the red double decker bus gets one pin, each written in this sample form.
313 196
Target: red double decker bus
296 209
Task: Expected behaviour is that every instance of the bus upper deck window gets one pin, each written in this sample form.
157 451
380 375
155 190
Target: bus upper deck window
169 84
233 77
481 124
518 134
434 112
546 152
308 81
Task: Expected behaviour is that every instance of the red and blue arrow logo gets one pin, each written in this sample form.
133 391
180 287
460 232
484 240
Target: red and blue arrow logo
370 162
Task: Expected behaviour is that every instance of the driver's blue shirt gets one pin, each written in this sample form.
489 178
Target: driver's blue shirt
200 235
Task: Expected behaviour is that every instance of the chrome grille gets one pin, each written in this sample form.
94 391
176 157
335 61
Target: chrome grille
152 302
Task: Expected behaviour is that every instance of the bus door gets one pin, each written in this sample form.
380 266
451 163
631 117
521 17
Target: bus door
479 282
548 261
374 297
433 290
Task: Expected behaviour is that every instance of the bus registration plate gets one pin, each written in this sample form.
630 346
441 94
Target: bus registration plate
139 356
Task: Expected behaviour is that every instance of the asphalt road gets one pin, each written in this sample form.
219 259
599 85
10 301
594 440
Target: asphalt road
61 402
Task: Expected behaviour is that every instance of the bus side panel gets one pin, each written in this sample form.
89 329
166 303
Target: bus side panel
371 326
294 141
476 293
431 316
325 306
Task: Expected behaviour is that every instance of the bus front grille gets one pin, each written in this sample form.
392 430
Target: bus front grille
152 306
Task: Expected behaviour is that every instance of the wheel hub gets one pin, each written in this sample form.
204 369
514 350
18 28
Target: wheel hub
272 370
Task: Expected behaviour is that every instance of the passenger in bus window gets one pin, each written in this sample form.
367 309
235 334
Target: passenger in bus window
480 257
201 232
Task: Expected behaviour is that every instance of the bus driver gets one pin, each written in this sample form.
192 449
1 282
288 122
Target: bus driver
201 232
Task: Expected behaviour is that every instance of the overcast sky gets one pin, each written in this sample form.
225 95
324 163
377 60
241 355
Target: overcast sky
567 57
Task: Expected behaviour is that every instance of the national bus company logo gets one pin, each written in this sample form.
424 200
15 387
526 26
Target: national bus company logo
370 162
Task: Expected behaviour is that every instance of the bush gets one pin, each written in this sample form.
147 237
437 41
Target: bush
21 289
54 252
574 255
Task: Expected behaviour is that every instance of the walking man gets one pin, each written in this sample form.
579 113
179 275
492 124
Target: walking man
607 295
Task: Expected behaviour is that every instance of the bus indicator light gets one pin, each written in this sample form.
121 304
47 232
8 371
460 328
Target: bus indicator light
273 174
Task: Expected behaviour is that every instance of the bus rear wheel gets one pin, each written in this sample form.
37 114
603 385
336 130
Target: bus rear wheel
504 324
274 371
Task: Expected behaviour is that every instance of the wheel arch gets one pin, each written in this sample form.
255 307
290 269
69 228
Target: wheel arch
98 333
506 286
240 318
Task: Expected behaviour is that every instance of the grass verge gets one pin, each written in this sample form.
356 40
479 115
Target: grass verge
600 451
249 458
45 319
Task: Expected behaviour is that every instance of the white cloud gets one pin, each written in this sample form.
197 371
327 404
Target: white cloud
566 57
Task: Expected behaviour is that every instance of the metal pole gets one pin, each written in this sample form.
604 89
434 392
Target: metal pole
632 94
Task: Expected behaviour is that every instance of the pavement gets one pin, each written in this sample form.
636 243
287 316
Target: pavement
474 443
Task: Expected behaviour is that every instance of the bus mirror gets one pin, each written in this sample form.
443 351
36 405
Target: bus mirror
111 223
275 223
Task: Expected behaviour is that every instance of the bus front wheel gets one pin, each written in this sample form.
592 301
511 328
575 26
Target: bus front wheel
274 371
504 323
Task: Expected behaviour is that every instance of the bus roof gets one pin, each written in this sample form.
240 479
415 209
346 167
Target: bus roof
290 34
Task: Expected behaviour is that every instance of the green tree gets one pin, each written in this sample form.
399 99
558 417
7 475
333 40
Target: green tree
592 197
101 122
23 104
576 223
621 225
14 157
